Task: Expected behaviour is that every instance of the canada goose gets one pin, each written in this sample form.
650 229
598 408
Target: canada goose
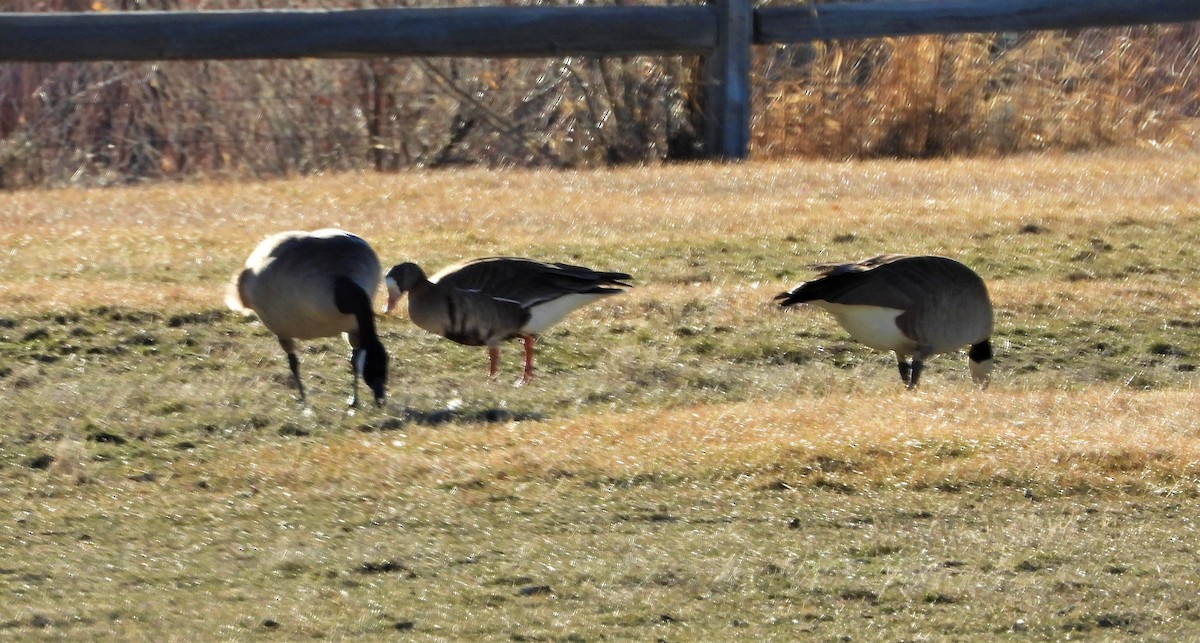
914 305
482 302
305 285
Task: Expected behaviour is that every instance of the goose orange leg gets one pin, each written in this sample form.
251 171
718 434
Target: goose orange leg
527 374
493 360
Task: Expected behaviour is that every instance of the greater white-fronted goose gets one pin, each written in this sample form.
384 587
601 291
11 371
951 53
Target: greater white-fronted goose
304 285
914 305
482 302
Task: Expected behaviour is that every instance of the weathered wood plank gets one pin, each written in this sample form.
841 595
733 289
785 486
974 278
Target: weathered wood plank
727 81
469 31
529 31
849 20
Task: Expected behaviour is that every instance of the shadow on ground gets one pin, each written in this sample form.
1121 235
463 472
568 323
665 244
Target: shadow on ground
447 416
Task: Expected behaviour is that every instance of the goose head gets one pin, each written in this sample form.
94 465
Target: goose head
980 361
374 368
401 279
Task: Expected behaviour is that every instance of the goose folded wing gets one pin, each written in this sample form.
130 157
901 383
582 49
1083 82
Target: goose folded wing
528 282
851 289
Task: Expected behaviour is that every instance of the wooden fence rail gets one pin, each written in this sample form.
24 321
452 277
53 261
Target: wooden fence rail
787 24
722 32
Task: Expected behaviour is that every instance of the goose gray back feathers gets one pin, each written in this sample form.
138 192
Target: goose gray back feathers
304 285
913 305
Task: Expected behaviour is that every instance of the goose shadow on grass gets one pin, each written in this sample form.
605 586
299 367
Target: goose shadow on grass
446 416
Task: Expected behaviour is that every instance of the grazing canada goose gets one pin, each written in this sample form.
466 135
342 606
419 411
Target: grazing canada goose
914 305
482 302
305 285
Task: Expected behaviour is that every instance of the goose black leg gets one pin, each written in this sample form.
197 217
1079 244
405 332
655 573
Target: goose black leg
917 365
357 357
289 347
905 369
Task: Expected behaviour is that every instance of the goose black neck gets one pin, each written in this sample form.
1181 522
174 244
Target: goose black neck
351 299
981 352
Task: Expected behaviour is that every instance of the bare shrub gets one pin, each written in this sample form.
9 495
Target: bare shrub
979 94
108 122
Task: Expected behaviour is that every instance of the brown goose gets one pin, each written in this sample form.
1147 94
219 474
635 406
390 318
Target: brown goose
304 285
482 302
914 305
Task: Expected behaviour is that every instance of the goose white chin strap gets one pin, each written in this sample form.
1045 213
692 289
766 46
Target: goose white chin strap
981 372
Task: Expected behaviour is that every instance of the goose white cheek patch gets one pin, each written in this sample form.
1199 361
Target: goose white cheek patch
981 372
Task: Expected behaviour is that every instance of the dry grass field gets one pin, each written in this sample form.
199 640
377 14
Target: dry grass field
691 463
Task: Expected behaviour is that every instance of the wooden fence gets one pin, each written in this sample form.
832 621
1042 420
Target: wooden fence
723 32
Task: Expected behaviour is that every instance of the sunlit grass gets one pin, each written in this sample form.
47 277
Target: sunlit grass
1052 442
690 461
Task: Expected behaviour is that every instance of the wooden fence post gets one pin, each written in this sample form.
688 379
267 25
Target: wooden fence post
727 82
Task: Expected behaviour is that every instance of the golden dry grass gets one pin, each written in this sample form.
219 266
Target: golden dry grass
690 462
101 246
1051 442
932 96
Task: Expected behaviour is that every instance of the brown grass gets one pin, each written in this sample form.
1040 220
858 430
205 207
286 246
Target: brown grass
690 463
1050 442
931 96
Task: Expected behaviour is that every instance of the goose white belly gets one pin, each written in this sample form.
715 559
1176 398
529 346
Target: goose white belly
547 314
316 328
874 326
308 323
291 310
